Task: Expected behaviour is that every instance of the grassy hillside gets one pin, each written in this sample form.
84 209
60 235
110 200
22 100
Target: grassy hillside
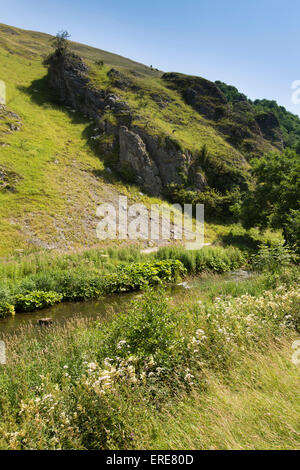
59 180
51 177
32 44
289 122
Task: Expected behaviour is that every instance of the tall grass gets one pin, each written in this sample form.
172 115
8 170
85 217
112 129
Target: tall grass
96 386
216 259
81 273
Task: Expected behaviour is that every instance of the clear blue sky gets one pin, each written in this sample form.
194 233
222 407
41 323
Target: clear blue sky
252 44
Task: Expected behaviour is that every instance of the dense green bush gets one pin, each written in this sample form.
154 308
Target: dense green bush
137 276
216 205
36 300
214 259
6 310
292 229
148 330
89 282
42 290
272 258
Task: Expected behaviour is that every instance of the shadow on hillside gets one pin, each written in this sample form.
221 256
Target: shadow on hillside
44 97
41 95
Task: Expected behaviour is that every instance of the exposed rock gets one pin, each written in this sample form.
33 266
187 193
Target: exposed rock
134 155
119 80
45 322
68 78
204 96
270 128
8 180
9 121
168 157
200 181
144 159
162 100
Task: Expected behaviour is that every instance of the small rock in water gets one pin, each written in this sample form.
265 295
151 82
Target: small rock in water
45 322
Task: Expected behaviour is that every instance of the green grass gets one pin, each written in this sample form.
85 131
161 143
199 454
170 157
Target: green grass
60 179
257 410
94 273
159 376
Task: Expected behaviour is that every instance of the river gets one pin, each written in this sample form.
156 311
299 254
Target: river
105 307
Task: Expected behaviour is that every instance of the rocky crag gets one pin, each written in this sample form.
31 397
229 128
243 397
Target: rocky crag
147 158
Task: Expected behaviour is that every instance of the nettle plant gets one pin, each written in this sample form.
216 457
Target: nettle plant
272 258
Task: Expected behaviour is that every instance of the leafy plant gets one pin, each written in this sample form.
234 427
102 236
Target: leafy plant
271 258
60 43
36 301
6 310
276 194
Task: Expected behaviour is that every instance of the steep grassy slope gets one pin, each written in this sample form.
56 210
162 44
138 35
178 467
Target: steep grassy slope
52 174
58 178
31 44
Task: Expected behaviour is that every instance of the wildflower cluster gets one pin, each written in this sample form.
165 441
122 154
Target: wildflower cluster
143 356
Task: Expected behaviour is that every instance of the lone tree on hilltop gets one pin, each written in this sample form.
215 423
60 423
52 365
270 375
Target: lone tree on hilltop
60 43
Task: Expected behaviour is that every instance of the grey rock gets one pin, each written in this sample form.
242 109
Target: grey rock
133 154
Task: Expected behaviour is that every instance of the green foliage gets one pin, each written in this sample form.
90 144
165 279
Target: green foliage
246 239
289 123
148 330
271 258
276 194
215 259
292 230
87 276
44 289
36 300
217 206
60 43
141 275
91 385
6 310
232 94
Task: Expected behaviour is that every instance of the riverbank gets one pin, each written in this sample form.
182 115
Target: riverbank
89 385
203 286
40 282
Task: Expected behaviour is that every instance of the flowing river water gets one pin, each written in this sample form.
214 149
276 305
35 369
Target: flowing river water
108 305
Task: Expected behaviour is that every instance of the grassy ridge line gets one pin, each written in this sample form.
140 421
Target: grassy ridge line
38 43
99 386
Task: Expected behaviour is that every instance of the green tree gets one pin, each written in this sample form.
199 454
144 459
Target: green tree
60 43
276 194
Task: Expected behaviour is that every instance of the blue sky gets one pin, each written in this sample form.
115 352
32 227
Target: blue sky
252 44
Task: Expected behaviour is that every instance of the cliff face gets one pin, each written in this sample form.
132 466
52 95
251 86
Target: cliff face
68 78
131 116
150 164
270 128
